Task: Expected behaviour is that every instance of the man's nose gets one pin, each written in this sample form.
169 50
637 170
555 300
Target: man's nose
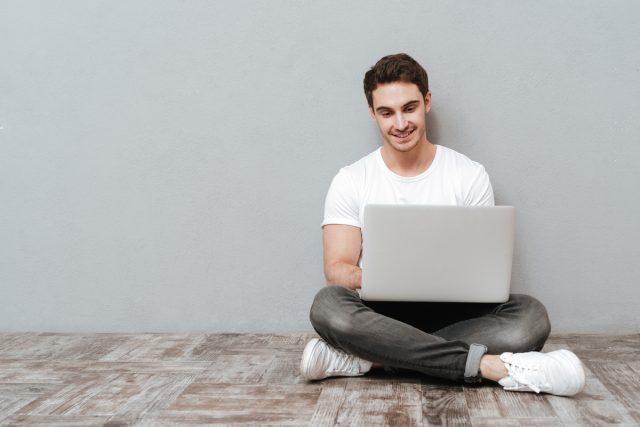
401 122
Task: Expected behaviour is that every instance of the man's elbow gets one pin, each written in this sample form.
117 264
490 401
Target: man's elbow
329 276
342 274
334 273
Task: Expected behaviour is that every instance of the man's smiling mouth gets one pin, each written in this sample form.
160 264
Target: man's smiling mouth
403 135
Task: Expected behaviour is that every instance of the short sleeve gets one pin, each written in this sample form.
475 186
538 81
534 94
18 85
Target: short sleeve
341 205
480 192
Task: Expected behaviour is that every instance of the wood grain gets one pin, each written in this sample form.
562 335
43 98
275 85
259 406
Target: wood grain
444 405
51 379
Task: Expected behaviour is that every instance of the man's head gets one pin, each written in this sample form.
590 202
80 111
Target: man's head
399 99
395 68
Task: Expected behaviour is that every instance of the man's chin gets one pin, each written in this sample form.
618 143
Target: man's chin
403 147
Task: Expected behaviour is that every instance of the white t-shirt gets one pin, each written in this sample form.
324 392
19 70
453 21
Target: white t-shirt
452 179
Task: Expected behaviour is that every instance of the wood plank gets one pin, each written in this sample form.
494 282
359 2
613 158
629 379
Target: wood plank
444 404
492 402
156 395
516 422
9 341
206 403
248 343
18 371
51 346
329 402
166 347
64 400
622 381
380 401
9 405
56 421
237 368
601 348
263 367
595 405
15 396
65 371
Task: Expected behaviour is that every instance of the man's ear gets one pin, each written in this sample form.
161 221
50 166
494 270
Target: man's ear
427 102
372 113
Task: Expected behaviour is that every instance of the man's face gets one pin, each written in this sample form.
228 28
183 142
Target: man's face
400 111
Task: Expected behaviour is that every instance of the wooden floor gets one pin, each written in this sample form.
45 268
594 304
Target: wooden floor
186 379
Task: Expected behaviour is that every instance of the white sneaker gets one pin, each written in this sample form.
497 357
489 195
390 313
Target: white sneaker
320 360
558 372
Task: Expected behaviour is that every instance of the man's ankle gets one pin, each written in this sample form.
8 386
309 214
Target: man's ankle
492 368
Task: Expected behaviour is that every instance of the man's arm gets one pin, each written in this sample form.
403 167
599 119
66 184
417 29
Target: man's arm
342 245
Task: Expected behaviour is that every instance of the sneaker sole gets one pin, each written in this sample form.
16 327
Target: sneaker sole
575 365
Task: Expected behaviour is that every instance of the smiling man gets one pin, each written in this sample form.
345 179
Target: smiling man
458 341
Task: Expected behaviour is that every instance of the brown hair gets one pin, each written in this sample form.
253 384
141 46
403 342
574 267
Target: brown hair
394 68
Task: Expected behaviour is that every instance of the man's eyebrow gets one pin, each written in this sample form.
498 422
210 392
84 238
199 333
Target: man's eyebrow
410 103
382 108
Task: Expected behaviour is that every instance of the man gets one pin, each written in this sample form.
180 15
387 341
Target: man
470 342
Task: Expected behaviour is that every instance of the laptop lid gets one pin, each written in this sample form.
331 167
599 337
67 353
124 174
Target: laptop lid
437 253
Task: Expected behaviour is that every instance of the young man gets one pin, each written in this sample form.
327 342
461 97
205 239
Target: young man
470 342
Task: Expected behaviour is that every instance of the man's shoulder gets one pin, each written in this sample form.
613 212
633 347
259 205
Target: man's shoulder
359 167
458 160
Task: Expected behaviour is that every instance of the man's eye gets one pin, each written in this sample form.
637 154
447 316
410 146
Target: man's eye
386 114
411 109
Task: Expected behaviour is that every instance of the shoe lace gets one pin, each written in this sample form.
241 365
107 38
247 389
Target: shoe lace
345 362
528 375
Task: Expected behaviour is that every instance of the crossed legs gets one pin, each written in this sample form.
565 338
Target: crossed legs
446 340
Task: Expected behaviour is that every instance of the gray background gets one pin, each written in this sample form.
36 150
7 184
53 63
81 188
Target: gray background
163 164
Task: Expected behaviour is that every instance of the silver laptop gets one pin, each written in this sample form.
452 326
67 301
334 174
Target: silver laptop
437 253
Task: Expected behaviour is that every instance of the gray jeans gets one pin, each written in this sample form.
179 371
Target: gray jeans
445 340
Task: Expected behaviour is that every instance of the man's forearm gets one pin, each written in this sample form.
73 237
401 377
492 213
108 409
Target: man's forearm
343 274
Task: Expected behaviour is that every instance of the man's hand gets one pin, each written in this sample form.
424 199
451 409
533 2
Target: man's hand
342 247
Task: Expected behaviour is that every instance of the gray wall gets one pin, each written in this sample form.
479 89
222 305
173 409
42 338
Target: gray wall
163 164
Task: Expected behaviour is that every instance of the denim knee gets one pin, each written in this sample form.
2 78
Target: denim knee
528 325
328 314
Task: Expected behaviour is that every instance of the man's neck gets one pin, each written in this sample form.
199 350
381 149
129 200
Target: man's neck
410 163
